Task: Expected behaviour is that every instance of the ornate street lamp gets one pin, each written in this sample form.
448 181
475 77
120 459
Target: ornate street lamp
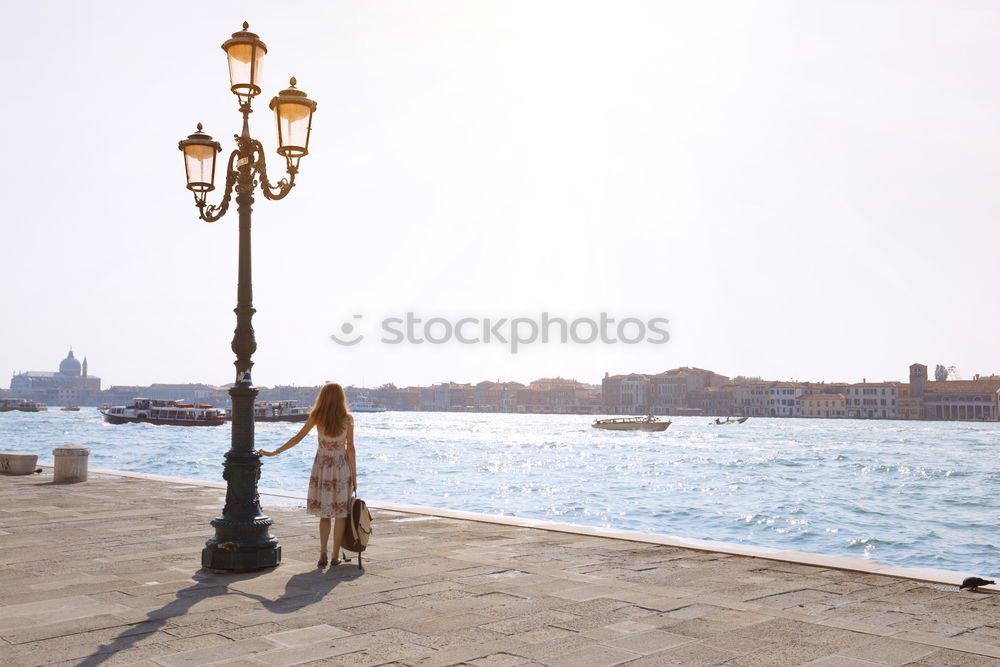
242 538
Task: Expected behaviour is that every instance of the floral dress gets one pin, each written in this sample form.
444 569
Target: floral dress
331 480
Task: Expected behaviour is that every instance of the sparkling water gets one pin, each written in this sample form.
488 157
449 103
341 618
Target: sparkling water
919 494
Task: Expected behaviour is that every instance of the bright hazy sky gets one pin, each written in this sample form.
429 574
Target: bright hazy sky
806 190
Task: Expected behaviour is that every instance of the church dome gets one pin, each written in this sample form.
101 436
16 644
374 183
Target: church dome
69 365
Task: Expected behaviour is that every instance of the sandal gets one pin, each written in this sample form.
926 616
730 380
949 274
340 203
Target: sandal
322 560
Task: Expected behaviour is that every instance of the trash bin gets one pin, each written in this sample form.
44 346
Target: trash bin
71 463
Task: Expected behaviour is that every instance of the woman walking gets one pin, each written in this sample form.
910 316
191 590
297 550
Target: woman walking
334 470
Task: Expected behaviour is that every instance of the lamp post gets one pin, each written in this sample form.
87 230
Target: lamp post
242 539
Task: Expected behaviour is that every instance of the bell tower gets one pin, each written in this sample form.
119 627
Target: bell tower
918 380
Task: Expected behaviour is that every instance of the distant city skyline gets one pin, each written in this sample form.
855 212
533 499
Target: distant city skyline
60 368
804 191
678 391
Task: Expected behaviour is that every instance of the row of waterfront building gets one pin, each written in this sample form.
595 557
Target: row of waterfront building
698 391
681 391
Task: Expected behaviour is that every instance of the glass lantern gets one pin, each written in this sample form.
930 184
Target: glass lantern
199 161
245 52
293 113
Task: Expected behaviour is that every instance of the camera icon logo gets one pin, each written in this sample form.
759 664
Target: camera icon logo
347 329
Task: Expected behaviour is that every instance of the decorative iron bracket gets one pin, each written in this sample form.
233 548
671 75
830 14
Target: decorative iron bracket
283 187
211 213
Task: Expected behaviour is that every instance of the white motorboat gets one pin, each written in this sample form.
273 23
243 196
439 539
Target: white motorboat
364 404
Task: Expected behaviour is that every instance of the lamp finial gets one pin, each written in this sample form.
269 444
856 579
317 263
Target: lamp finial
200 128
246 26
292 82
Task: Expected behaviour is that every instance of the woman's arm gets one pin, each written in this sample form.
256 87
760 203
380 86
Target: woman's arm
294 440
352 457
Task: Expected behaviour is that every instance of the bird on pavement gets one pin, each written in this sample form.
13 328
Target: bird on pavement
972 583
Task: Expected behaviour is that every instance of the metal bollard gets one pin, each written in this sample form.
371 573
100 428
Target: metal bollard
70 463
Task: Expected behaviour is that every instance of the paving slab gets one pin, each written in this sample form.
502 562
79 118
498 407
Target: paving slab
108 572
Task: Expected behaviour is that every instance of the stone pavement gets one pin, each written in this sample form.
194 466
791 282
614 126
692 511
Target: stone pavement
107 572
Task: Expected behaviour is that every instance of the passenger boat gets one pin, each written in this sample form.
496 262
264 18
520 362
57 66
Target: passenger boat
70 408
647 423
729 420
276 411
163 413
21 405
364 404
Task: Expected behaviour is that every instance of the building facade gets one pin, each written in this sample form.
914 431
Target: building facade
624 394
716 401
823 405
784 399
977 399
752 399
70 385
664 393
872 400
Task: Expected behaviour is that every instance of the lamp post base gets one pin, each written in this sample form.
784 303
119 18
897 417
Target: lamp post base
242 538
242 541
235 558
241 546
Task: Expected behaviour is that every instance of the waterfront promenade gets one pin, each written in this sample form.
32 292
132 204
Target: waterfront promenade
107 572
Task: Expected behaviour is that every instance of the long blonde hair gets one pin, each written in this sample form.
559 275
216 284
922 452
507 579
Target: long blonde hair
330 413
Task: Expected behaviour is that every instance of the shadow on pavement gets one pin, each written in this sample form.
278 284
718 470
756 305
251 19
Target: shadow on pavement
301 590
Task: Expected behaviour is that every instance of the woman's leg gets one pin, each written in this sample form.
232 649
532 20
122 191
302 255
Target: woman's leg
324 534
340 524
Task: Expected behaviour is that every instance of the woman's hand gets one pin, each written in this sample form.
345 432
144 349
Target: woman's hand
264 452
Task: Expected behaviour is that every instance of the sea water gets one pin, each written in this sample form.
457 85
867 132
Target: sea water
918 494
